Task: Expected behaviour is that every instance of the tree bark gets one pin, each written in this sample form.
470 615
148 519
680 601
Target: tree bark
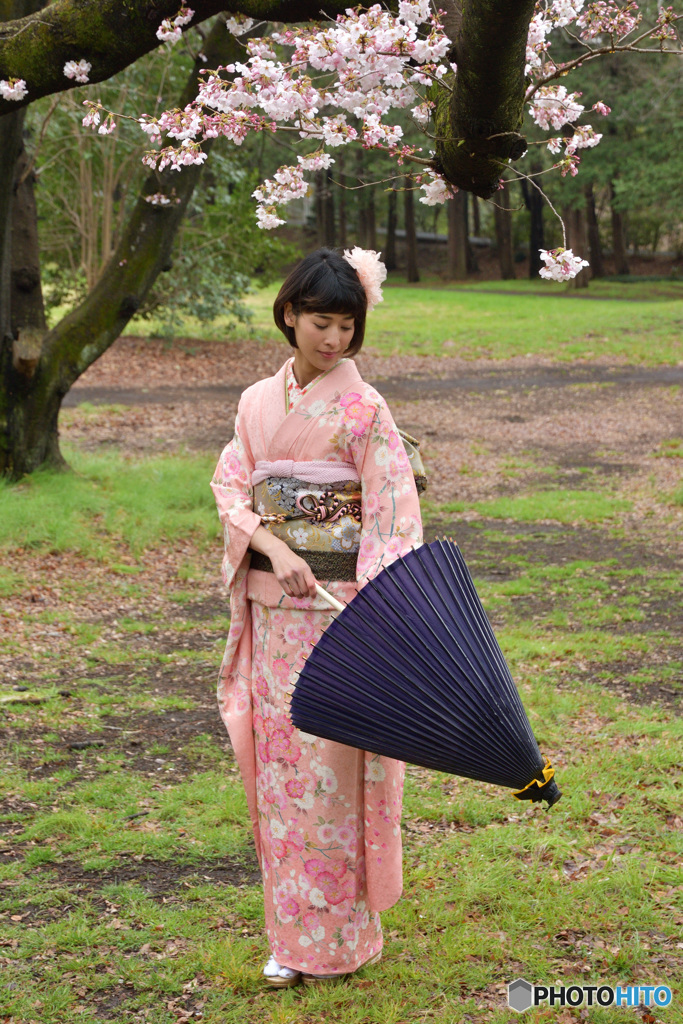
597 263
534 202
412 272
27 309
34 381
11 128
477 126
618 238
456 267
577 241
503 220
390 247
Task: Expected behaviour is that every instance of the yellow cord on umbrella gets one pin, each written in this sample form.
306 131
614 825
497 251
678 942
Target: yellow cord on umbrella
548 773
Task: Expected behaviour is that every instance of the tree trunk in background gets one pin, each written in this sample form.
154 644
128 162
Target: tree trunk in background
472 265
594 246
26 294
476 219
577 241
503 221
36 373
319 208
412 272
390 248
328 198
534 202
361 224
618 238
370 219
456 266
342 200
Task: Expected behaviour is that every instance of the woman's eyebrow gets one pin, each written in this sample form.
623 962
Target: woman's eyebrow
328 316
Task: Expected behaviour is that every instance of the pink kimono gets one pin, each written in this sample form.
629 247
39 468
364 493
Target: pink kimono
326 817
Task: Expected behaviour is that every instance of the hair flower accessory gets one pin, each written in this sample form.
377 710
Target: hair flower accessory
371 271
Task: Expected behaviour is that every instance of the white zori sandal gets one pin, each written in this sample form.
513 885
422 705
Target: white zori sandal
280 977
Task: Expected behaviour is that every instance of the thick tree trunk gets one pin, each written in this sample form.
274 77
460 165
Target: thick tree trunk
412 272
503 221
36 378
477 126
26 293
456 268
618 238
577 241
11 127
595 248
534 202
390 247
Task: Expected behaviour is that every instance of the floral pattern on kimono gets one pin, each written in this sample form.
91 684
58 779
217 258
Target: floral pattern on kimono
326 817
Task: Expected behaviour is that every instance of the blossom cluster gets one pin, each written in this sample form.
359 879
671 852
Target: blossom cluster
238 24
14 89
342 79
560 264
605 17
366 63
78 70
171 29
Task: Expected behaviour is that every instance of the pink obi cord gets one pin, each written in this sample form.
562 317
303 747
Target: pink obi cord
315 472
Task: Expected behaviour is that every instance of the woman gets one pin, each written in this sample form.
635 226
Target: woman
315 485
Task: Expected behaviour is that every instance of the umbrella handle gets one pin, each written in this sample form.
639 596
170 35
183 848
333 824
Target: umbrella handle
337 605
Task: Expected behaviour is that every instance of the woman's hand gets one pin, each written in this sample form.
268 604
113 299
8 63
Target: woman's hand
293 573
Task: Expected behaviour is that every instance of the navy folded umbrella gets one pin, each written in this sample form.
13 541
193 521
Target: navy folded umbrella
411 669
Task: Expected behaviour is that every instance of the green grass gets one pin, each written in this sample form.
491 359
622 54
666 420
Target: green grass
493 888
108 498
473 321
562 506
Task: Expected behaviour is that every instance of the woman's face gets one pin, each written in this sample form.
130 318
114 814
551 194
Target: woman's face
322 338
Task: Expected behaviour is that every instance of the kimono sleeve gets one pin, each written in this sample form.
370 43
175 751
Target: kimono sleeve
231 485
390 506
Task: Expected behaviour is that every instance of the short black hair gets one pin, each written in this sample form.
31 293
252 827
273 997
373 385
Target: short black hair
323 282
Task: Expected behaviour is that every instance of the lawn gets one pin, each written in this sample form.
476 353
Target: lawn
629 323
129 890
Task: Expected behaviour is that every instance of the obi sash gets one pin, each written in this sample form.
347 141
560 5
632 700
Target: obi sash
319 519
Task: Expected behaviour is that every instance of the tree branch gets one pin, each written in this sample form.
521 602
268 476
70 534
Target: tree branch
111 34
478 125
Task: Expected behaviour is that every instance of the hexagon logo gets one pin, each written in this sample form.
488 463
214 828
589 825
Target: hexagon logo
520 995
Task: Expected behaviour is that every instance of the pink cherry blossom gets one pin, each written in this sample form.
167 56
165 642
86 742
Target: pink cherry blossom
14 89
560 264
78 70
